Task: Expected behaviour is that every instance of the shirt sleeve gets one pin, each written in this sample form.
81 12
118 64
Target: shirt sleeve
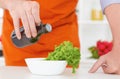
105 3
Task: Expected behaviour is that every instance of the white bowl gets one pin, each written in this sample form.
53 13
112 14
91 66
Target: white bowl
45 67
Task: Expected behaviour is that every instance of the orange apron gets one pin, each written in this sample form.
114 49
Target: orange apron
60 14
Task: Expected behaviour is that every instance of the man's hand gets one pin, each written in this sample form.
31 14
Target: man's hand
26 11
110 63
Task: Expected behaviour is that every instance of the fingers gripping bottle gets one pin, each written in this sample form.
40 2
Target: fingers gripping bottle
24 41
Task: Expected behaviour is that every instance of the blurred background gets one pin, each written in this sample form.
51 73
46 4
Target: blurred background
93 26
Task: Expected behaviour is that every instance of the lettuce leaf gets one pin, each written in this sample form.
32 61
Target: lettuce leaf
66 51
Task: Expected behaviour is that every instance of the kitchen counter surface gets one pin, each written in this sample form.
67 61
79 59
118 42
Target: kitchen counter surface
13 72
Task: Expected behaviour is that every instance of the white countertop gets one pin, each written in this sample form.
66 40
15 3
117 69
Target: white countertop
12 72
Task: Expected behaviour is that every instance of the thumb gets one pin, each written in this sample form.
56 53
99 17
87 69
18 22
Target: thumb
97 65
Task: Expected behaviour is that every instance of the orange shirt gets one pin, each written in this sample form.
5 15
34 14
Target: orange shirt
60 14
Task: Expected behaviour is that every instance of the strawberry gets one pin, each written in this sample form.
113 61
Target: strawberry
100 53
105 43
98 43
101 47
106 51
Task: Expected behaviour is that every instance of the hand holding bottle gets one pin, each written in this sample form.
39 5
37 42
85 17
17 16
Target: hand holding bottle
26 11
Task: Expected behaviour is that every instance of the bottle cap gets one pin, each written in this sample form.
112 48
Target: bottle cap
48 27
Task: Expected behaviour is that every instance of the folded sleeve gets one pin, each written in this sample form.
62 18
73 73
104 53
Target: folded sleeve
105 3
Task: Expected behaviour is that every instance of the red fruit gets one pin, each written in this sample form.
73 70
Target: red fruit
106 51
105 43
101 47
100 53
110 44
109 48
98 43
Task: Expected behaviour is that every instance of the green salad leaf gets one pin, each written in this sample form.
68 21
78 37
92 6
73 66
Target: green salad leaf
66 51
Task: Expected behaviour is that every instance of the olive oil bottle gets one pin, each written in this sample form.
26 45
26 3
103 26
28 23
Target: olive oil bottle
24 41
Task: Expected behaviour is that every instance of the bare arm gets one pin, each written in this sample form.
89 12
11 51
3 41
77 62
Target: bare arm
110 62
113 15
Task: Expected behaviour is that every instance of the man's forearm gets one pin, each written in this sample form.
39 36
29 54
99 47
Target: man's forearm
113 15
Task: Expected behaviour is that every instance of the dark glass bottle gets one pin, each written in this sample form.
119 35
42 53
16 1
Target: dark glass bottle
24 41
